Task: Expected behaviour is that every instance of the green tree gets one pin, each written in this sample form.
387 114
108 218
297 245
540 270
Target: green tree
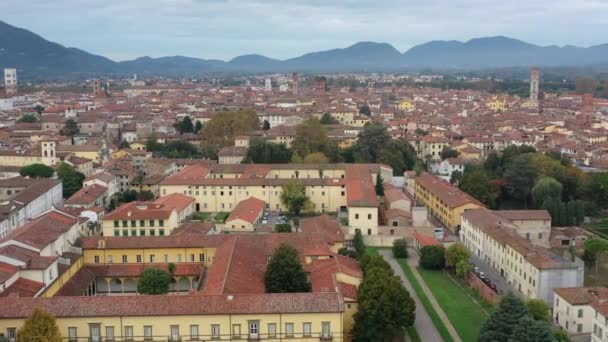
152 144
560 336
266 125
385 308
585 85
225 125
379 186
594 249
40 327
71 179
28 118
198 126
492 162
455 254
520 175
502 322
282 228
420 132
447 153
264 152
463 267
70 128
530 330
154 281
400 248
432 257
124 144
327 119
372 139
315 158
294 197
456 177
39 109
358 243
36 171
546 187
284 273
311 137
538 309
185 125
365 110
476 183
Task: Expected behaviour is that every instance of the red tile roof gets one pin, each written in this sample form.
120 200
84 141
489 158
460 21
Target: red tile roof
23 287
426 240
324 225
140 211
166 305
177 201
87 195
42 230
248 210
360 191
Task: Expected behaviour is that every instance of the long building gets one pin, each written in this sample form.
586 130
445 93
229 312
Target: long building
532 270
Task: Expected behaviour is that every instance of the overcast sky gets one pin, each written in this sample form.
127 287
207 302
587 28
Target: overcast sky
223 29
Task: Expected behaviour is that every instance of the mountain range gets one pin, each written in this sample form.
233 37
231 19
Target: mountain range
38 58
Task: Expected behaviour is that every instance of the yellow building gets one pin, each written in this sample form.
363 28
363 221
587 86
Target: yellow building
443 200
406 105
497 105
303 317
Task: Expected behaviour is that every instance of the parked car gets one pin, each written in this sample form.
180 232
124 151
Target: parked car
264 221
476 270
481 275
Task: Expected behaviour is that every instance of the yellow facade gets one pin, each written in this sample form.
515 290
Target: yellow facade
406 105
102 256
497 105
143 227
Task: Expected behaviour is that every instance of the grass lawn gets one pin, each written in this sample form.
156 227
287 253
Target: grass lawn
466 315
443 331
374 250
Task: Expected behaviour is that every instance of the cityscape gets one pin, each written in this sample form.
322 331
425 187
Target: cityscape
449 191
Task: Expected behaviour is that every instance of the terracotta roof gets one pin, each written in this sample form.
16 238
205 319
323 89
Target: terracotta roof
582 295
7 271
445 191
166 305
177 201
87 195
23 287
360 191
193 227
42 230
31 259
524 214
247 210
324 225
140 211
426 240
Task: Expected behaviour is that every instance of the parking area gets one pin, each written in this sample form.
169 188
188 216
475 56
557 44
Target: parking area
493 278
273 218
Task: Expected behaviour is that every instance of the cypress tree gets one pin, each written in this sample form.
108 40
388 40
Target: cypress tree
502 323
531 330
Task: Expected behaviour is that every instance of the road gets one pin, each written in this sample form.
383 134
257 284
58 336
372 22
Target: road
493 275
423 324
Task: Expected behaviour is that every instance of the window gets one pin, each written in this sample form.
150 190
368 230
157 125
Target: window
289 329
124 259
72 332
161 232
142 223
540 236
194 332
133 232
356 216
528 236
215 331
369 216
133 223
272 330
110 334
579 328
125 232
307 329
152 257
147 333
129 333
165 258
152 232
174 333
110 259
142 232
191 257
116 232
580 313
201 257
151 223
179 258
124 223
116 224
96 259
325 329
138 258
236 331
161 223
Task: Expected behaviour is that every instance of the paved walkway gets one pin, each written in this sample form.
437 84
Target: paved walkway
423 324
423 321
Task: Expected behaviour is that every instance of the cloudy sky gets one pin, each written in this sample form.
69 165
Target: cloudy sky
125 29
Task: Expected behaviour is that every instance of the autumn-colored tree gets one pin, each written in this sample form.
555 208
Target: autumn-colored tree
40 326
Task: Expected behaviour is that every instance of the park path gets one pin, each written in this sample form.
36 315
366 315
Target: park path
423 324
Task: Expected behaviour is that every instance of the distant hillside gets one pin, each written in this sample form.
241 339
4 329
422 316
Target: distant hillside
36 57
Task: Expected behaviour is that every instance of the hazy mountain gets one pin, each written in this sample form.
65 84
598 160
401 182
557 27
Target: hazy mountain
36 57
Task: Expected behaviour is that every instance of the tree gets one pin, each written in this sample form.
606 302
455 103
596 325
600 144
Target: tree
28 118
538 309
315 158
225 125
502 322
311 137
71 179
594 249
124 144
365 110
520 176
284 273
70 128
266 125
358 243
476 183
529 329
171 268
348 252
40 326
546 187
372 139
154 281
263 152
379 186
385 308
463 267
455 254
585 85
492 162
294 198
456 177
185 125
420 132
282 228
400 248
327 119
36 171
152 144
198 126
432 257
447 153
39 109
560 336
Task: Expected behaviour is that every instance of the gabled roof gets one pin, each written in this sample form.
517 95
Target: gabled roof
247 210
42 230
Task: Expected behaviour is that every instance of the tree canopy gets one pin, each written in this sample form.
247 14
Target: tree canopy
221 130
315 158
70 128
185 125
71 179
263 152
501 324
400 248
447 153
40 326
311 137
545 188
36 171
284 272
432 257
154 281
327 119
294 197
365 110
28 118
